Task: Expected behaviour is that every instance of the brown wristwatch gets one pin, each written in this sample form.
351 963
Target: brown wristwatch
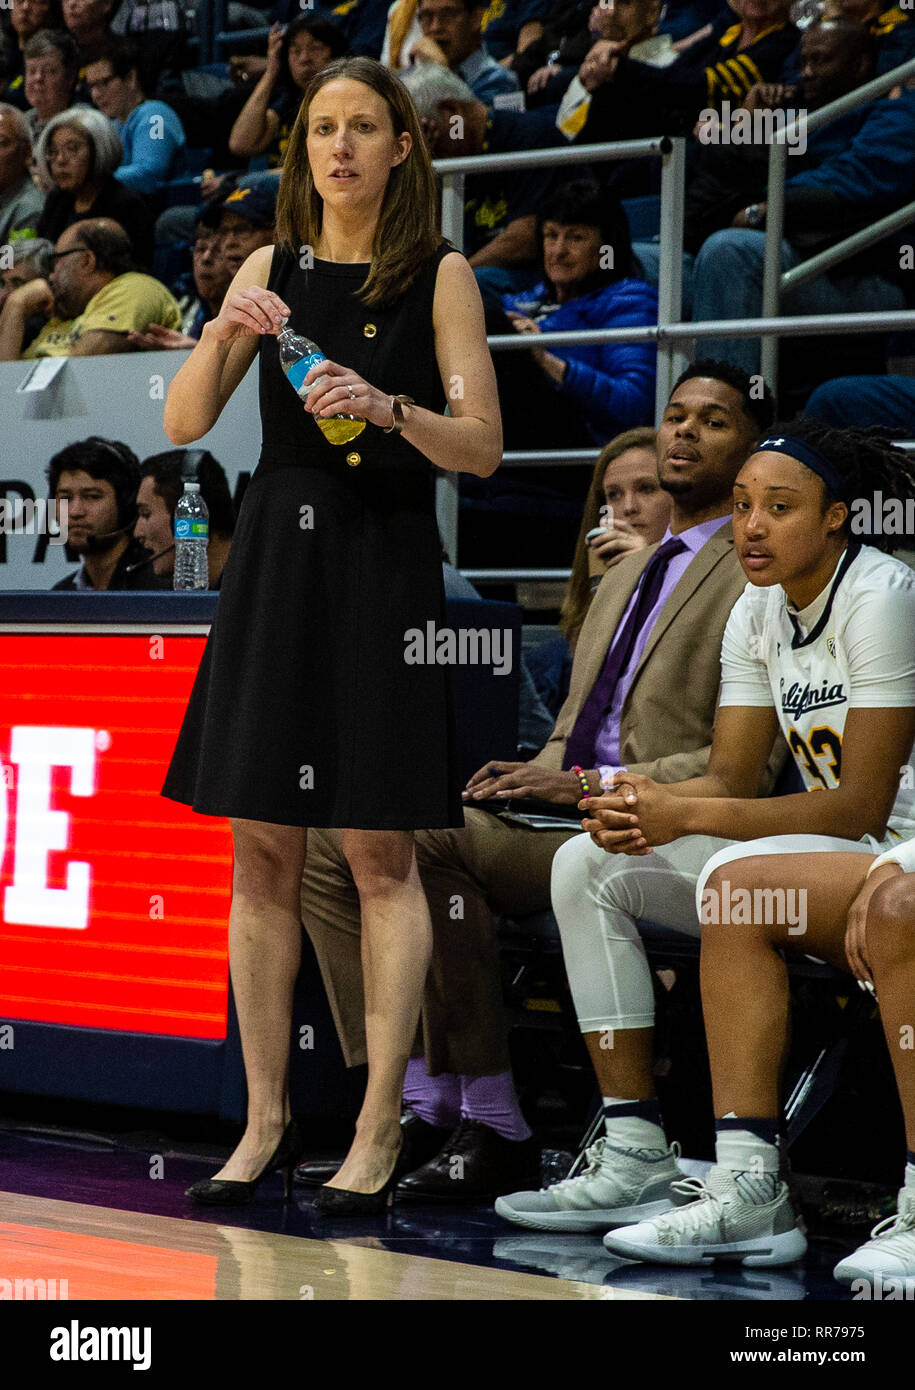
397 405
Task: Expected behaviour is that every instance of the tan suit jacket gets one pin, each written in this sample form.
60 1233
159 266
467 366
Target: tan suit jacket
669 710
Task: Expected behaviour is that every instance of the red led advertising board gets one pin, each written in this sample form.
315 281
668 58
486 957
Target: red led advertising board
114 901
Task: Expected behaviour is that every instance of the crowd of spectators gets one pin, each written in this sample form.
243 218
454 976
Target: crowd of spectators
105 115
134 182
107 122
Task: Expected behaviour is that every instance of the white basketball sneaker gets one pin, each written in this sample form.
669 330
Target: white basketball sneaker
717 1224
617 1185
890 1252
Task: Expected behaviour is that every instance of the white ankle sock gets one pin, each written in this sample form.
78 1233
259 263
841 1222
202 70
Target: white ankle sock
629 1131
754 1163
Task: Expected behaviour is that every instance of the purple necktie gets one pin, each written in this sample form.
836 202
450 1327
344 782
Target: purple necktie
580 746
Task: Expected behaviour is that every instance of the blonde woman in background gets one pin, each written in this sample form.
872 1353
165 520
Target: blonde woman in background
626 503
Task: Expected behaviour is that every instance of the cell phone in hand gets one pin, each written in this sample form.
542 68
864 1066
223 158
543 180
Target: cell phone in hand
593 534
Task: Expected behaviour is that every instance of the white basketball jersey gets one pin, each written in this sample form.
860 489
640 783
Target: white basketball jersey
852 648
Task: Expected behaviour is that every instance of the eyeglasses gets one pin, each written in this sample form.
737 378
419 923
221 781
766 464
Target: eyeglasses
448 13
59 255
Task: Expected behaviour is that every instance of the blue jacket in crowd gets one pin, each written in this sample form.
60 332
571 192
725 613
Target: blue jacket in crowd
865 158
154 143
612 384
864 168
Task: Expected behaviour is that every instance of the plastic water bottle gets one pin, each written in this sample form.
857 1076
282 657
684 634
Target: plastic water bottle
297 355
192 532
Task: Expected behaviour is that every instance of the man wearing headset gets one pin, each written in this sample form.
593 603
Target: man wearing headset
162 479
98 479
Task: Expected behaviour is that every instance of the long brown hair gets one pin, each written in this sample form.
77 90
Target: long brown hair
580 591
408 224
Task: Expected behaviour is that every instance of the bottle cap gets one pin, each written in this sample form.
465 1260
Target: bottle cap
191 487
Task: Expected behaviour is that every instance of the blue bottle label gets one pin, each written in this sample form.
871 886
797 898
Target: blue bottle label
187 529
299 370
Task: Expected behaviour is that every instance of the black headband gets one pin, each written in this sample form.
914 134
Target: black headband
807 455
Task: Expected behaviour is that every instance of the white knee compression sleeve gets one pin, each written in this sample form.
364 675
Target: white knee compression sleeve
598 899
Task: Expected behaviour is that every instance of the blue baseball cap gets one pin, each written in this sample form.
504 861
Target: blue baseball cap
256 203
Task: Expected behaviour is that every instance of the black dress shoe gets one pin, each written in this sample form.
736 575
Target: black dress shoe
341 1201
224 1192
475 1165
420 1142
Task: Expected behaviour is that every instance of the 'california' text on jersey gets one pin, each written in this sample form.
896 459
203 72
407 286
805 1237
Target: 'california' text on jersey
852 648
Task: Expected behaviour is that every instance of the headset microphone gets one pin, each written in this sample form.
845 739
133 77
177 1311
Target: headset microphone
98 540
125 489
110 535
141 564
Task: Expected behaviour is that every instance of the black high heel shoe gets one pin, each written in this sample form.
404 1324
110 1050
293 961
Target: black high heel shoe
340 1201
223 1192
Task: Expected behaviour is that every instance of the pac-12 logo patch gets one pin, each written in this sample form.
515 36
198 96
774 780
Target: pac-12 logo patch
831 647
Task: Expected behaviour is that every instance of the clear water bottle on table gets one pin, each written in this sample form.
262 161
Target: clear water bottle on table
192 533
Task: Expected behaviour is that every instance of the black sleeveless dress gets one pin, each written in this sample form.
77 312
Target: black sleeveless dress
304 710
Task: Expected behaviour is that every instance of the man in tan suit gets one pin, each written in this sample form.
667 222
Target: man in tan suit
464 1129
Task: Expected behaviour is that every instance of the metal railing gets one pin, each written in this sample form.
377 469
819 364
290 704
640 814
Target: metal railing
670 332
213 24
672 153
671 360
775 281
518 576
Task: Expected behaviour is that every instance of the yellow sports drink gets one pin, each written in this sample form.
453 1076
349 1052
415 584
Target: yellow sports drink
340 429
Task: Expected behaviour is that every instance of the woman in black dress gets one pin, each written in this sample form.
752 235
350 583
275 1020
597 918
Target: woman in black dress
304 710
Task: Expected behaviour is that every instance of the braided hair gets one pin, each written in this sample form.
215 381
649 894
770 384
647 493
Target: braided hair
869 463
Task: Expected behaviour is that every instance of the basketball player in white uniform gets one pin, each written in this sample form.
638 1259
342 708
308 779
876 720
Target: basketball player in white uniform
821 645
